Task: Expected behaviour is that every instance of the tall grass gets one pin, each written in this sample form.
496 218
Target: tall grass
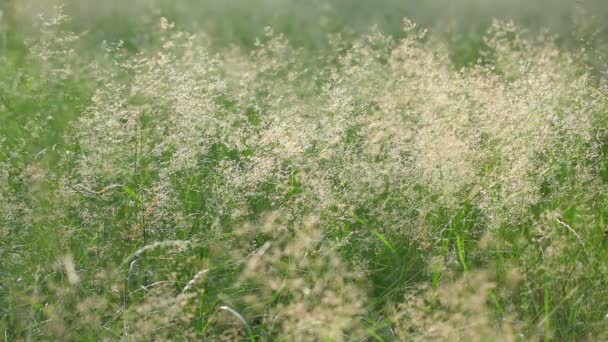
378 189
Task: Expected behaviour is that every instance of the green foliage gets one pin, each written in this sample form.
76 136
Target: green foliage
321 180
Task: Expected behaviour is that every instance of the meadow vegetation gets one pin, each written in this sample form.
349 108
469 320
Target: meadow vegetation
330 181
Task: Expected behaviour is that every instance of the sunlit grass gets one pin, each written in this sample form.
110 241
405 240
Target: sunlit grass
389 183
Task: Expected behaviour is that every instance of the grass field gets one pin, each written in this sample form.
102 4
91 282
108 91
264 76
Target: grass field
286 170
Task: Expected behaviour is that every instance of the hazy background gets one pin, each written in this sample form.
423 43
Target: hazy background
306 23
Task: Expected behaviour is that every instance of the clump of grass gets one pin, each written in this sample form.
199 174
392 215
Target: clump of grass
462 310
375 192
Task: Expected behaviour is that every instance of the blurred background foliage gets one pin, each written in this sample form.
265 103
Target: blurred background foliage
306 23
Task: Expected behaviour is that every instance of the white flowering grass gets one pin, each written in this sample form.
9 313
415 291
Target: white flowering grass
375 192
